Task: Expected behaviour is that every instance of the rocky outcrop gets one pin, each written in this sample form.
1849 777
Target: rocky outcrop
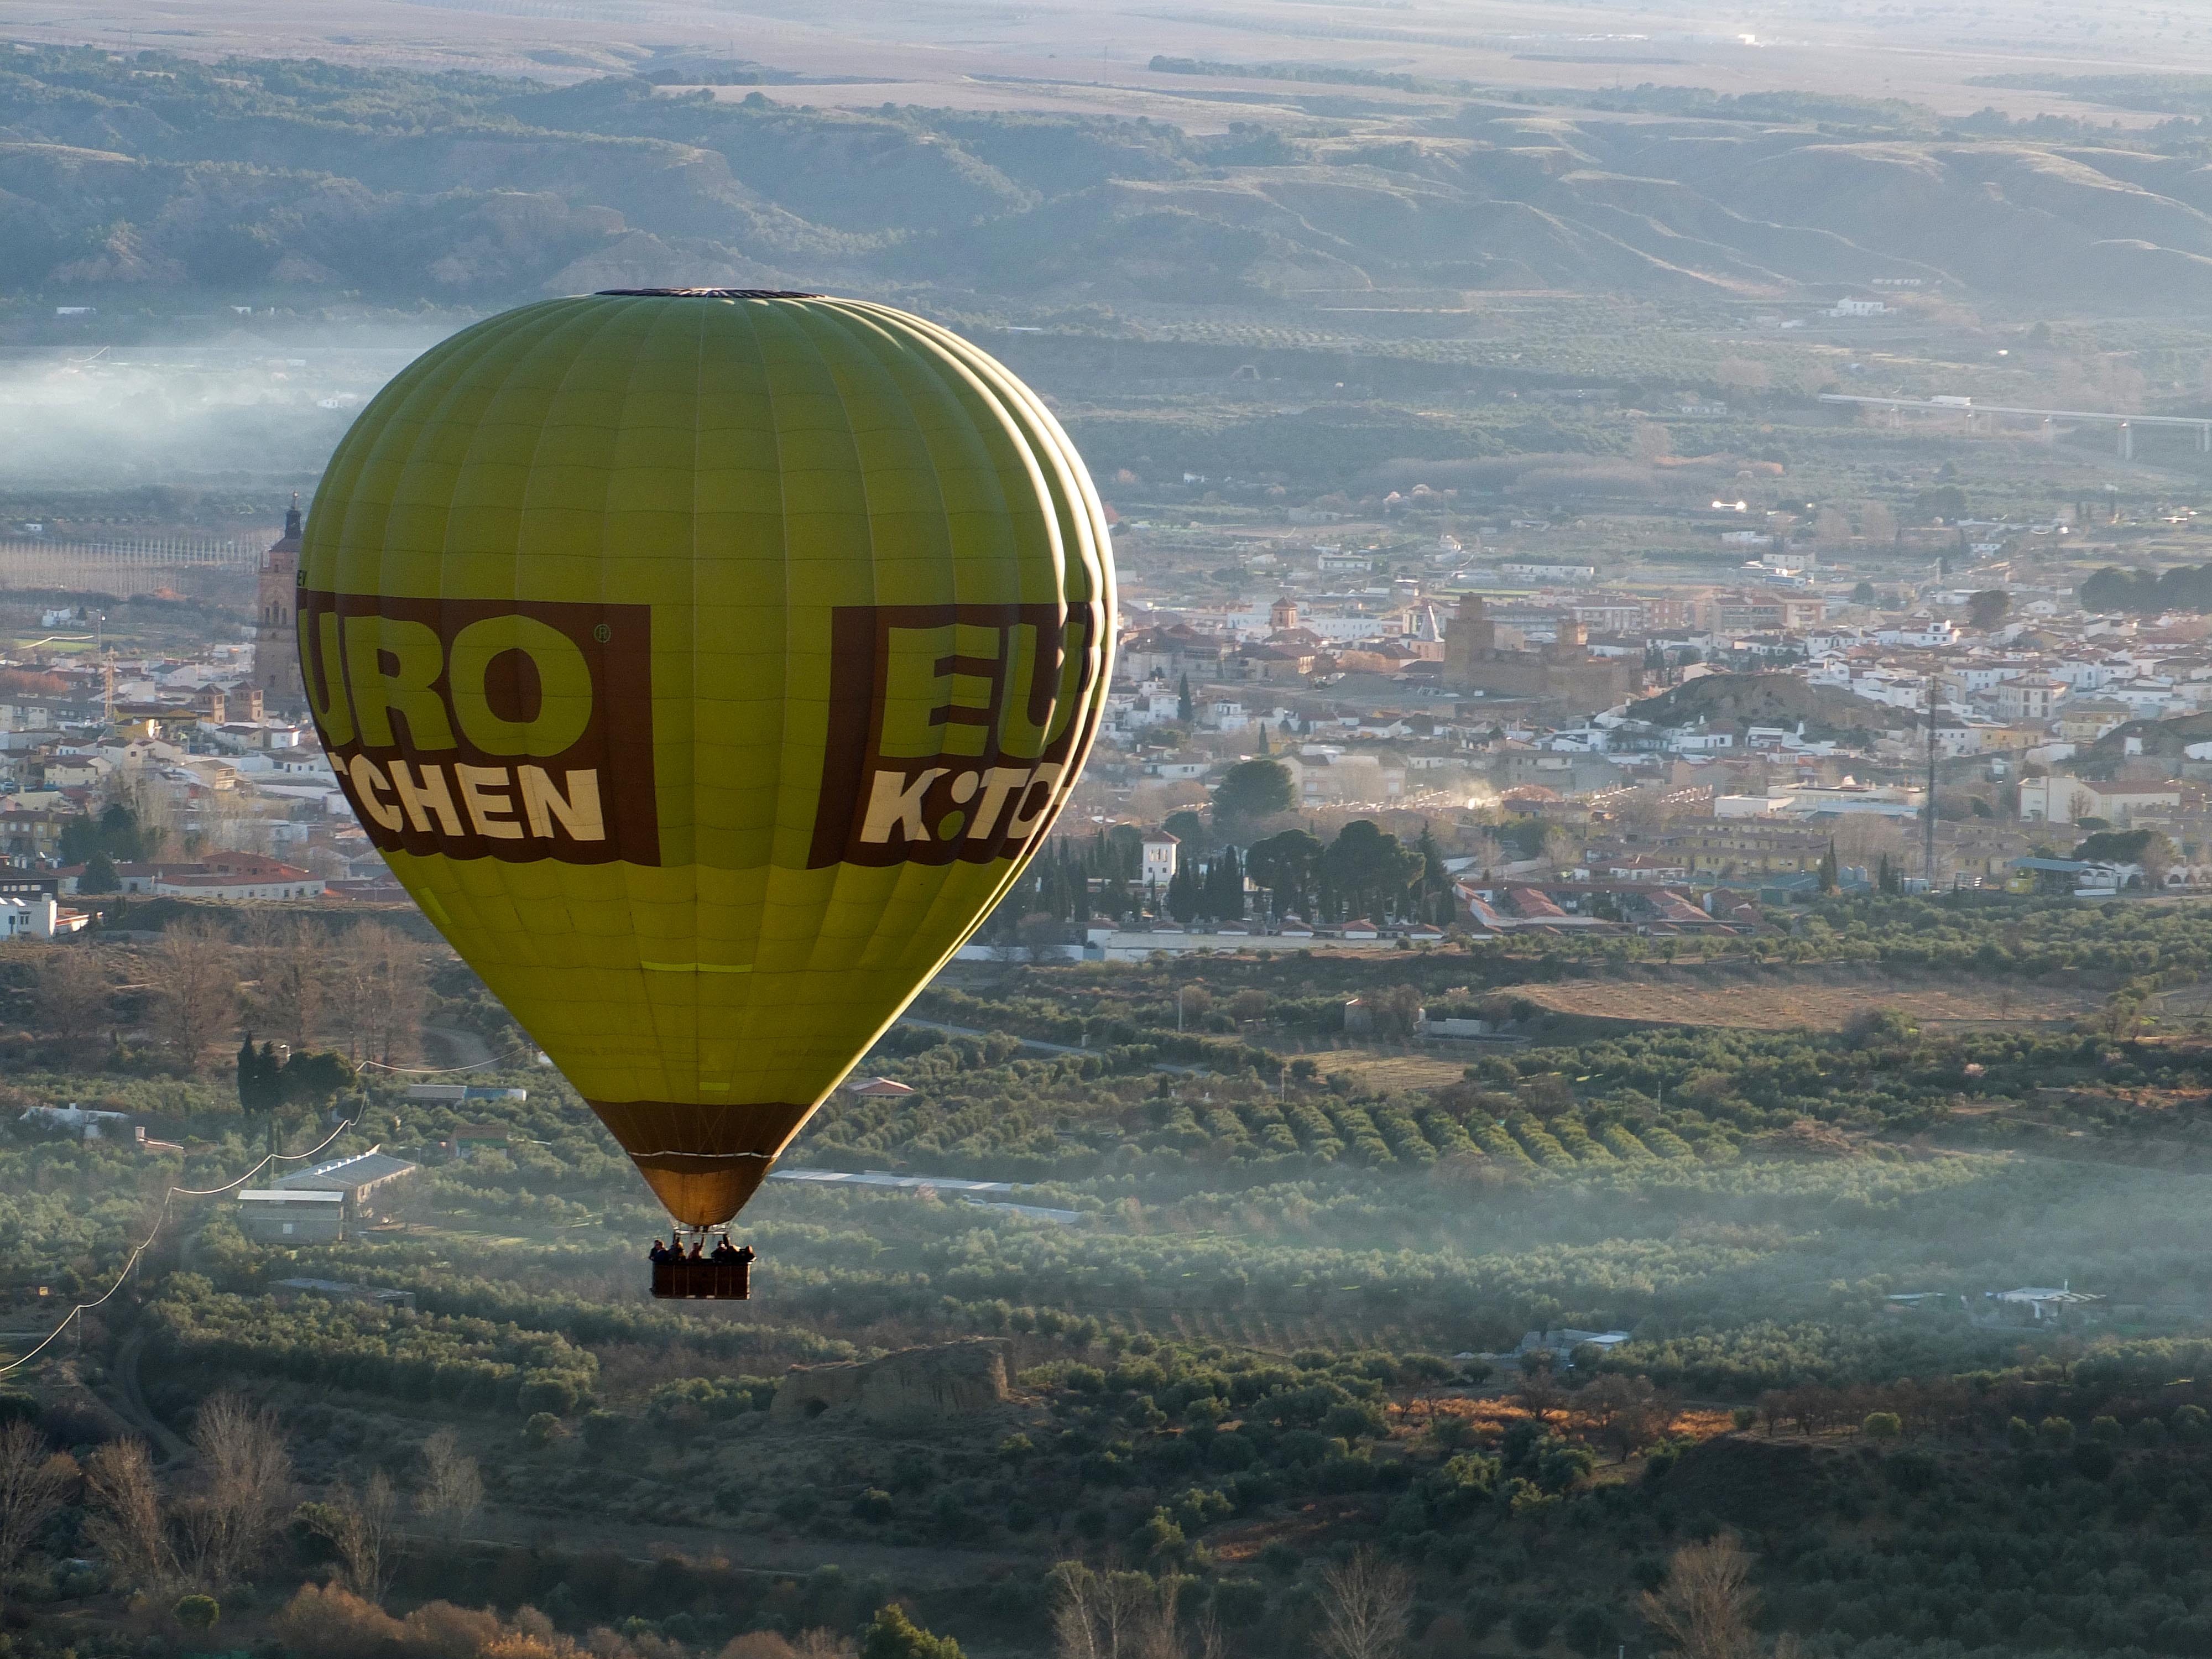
951 1380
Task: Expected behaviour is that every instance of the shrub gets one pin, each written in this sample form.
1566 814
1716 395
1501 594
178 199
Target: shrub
873 1505
1531 1624
197 1612
335 1624
1588 1628
894 1635
543 1429
1882 1426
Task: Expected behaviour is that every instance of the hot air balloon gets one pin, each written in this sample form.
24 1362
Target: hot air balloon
706 664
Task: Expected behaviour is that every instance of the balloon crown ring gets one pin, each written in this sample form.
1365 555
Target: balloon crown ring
703 294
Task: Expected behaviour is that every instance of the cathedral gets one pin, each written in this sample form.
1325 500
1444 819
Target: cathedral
276 650
1564 672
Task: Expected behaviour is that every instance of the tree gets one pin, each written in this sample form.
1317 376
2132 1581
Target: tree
1946 501
34 1480
1863 594
1223 896
291 953
1366 1602
1252 790
123 1514
72 996
1190 830
376 992
1184 707
260 1083
1621 1413
1041 935
245 1473
198 1612
315 1076
1985 610
1433 901
453 1486
99 875
1706 1604
1369 868
2143 847
195 988
1285 866
1830 877
359 1527
1182 891
894 1635
1117 1615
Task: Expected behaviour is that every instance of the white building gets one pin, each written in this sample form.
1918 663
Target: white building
1570 576
37 916
2059 800
1159 857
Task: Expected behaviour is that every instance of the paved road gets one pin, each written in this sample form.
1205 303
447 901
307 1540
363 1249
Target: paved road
129 1400
748 1552
1034 1043
467 1047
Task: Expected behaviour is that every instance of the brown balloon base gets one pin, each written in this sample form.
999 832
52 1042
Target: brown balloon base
703 1281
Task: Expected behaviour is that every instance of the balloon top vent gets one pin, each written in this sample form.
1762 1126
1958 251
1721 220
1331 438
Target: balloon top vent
704 293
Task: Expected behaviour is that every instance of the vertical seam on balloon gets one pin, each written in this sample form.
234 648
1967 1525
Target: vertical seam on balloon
590 329
1050 440
662 313
756 311
932 365
838 314
453 390
704 314
927 365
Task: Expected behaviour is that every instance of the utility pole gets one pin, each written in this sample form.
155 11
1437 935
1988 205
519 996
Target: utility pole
1932 681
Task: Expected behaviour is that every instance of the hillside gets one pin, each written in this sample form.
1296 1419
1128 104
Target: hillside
257 178
2167 739
1745 700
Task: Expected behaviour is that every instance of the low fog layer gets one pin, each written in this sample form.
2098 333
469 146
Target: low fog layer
95 418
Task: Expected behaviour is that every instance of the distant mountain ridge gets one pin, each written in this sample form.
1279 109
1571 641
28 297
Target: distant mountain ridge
249 177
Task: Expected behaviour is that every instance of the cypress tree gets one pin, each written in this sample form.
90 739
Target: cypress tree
1183 893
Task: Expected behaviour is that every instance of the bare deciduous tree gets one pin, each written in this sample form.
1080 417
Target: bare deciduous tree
289 954
1622 1413
123 1513
1706 1607
195 984
1115 1615
453 1486
376 986
359 1526
814 1644
1366 1602
34 1478
73 994
247 1474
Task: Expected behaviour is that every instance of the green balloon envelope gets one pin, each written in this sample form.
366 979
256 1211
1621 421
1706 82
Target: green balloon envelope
706 664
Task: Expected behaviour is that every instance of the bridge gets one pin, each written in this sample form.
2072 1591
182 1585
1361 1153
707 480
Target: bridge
1967 409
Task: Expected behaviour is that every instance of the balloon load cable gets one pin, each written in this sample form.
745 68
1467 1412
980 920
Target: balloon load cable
160 1221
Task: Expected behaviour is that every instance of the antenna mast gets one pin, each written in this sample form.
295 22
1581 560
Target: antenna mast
1930 828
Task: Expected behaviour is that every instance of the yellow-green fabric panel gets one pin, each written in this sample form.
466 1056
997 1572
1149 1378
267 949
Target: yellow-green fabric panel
744 467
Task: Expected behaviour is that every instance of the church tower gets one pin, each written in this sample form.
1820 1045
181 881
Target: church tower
1283 616
276 648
